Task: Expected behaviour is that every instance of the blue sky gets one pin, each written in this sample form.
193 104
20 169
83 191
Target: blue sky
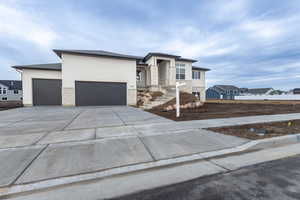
248 43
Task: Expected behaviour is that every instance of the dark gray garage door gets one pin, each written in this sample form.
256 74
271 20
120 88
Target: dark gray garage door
46 92
100 93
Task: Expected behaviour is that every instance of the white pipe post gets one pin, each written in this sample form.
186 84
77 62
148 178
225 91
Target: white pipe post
177 101
178 98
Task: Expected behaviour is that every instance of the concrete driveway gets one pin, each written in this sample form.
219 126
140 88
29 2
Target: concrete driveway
41 143
25 126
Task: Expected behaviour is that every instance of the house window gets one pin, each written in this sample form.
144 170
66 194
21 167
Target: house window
4 90
0 90
196 75
180 71
4 98
16 92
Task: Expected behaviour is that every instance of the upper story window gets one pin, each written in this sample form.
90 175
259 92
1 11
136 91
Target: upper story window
180 71
196 75
0 90
4 91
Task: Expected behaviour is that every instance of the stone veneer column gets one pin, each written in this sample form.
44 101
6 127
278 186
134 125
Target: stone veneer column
131 97
172 75
153 77
68 96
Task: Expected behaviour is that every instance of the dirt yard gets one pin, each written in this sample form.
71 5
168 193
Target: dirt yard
256 101
5 105
260 131
225 110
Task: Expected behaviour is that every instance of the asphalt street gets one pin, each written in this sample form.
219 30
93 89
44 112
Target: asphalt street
276 180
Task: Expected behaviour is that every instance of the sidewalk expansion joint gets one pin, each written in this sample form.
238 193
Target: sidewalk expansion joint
218 165
29 164
147 149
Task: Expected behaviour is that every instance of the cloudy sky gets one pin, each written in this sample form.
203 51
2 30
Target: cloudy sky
248 43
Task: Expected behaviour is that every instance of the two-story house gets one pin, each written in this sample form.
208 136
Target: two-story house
222 92
10 90
86 77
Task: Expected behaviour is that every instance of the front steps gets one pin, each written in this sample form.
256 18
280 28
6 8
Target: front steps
159 101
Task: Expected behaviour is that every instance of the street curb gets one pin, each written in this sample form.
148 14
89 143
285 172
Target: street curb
252 145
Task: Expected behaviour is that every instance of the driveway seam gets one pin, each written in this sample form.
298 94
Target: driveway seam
119 117
45 135
29 164
72 120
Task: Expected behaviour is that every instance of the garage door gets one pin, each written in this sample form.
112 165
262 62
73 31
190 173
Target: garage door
100 93
46 92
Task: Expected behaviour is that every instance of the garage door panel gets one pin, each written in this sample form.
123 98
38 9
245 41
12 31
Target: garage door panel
100 93
46 92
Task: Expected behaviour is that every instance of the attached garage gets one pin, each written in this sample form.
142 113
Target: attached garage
46 92
89 93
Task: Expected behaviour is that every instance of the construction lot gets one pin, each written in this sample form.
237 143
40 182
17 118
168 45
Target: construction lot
261 130
225 109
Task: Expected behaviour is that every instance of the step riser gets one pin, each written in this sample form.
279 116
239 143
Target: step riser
159 101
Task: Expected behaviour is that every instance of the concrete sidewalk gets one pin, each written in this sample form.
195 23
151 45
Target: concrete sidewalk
71 158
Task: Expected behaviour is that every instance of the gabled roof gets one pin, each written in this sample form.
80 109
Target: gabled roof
227 87
259 90
50 66
12 84
96 53
200 68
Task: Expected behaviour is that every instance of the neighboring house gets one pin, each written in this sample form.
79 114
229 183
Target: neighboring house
87 77
260 91
10 90
296 91
222 92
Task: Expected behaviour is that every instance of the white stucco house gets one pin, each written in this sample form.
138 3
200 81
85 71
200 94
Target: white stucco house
86 77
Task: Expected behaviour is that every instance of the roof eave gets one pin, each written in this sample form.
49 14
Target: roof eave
60 52
187 60
201 68
37 68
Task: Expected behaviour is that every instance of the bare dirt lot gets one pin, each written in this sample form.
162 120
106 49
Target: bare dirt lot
5 105
260 131
225 110
256 101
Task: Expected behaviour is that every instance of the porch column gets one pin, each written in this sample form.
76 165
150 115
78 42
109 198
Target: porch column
153 76
172 75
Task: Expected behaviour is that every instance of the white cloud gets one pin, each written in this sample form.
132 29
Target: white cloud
23 26
272 78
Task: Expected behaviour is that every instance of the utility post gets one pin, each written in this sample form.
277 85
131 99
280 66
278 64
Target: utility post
177 98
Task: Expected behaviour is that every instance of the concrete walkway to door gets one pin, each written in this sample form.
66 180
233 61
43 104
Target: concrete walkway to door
43 143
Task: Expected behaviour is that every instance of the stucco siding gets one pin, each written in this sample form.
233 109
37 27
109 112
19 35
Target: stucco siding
28 75
199 82
98 69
